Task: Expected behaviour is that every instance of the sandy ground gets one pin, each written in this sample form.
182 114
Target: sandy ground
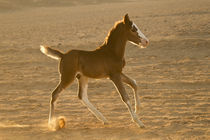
173 73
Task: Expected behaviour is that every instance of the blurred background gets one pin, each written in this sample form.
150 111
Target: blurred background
172 73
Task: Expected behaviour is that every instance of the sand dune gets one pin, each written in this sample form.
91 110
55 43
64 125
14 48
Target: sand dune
172 73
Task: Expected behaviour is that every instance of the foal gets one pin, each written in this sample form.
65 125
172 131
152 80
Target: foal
107 61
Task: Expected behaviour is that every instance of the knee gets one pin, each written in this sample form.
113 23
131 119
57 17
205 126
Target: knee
80 95
53 97
52 101
134 85
79 92
125 98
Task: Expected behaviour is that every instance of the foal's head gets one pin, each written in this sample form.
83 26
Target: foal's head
134 35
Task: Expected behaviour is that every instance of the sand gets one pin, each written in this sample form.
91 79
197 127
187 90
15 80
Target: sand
173 73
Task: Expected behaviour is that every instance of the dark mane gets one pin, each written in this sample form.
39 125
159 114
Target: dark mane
113 34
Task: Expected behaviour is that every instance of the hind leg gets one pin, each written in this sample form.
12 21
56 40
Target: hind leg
64 82
83 85
54 96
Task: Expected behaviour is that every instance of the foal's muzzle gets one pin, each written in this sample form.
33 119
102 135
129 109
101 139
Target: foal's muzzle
144 42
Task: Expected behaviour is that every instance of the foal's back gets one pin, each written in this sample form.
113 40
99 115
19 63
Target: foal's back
99 63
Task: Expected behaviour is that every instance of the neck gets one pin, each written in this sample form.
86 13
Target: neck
116 42
118 47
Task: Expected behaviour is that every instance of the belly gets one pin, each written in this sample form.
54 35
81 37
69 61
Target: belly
94 69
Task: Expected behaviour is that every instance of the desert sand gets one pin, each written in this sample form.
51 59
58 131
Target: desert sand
173 73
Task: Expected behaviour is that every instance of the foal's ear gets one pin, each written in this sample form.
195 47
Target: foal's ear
126 20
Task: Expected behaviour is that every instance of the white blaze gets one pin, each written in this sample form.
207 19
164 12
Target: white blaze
144 39
140 33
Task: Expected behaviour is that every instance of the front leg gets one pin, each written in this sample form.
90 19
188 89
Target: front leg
133 85
117 80
82 94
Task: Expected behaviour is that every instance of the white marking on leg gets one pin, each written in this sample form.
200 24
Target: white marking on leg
90 106
54 96
133 115
136 97
132 83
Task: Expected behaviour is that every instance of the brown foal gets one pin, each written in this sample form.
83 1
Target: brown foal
107 61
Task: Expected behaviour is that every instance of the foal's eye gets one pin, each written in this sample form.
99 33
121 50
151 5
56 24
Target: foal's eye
133 29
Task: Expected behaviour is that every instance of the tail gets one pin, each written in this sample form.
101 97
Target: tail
55 54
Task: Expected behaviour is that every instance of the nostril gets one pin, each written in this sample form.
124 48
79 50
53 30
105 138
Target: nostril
147 42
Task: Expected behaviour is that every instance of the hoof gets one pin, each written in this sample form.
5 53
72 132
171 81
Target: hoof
142 126
105 123
57 123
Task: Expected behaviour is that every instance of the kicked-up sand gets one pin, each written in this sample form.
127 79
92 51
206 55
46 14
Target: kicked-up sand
173 73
